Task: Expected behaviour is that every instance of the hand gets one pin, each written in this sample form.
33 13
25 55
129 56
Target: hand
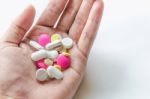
17 70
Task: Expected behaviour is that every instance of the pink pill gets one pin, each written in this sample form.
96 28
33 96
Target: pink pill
44 39
41 64
63 61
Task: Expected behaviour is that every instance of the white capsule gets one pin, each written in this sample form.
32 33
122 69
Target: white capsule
52 71
53 45
41 75
67 43
36 45
50 75
39 55
52 54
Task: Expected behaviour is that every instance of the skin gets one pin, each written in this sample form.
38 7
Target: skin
80 21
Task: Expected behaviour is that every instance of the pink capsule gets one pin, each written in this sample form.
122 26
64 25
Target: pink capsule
41 64
44 39
63 61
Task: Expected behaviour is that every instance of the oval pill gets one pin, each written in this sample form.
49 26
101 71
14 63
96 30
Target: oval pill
44 39
41 74
52 54
63 61
56 37
58 67
48 62
38 55
55 72
67 43
35 45
41 64
52 45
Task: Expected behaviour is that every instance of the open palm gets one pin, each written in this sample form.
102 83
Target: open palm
79 20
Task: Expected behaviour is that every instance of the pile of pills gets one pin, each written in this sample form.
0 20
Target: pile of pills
51 57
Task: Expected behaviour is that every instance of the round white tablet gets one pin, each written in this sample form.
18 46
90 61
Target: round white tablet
41 74
67 42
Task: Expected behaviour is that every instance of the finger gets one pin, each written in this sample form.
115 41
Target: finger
89 32
52 12
69 15
80 20
20 26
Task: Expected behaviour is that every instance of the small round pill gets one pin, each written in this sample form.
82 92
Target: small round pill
44 39
56 37
41 74
67 43
66 54
41 64
48 62
63 61
58 67
63 50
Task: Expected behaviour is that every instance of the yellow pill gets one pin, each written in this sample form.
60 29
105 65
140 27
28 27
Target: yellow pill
64 50
56 37
48 62
66 54
57 67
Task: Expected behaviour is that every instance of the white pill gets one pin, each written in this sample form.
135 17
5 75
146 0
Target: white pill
52 71
53 45
39 55
50 74
35 45
67 43
41 75
52 54
48 62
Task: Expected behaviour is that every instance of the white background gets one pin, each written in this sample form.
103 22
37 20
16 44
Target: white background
119 64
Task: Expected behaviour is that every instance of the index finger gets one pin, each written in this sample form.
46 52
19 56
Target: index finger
52 12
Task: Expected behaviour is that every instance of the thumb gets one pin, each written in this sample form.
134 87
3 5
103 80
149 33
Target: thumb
20 26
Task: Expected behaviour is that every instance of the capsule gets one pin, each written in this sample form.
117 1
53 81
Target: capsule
52 71
38 55
52 54
36 45
54 44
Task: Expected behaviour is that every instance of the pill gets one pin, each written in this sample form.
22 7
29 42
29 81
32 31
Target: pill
50 74
56 37
63 50
63 61
66 54
41 64
52 71
44 39
38 55
35 45
59 48
67 43
58 67
52 45
48 62
41 74
52 54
